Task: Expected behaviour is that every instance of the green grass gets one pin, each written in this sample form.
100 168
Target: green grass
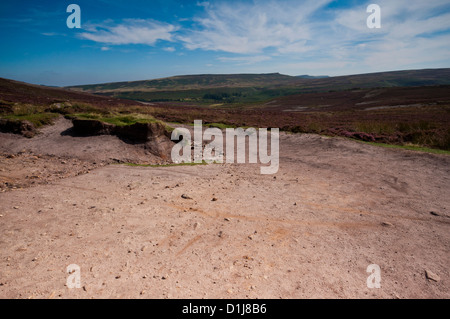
70 108
121 119
118 120
408 147
38 119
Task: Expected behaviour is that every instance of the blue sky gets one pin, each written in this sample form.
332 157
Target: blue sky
126 40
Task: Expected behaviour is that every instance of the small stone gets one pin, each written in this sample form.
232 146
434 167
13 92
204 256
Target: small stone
85 288
118 277
16 207
196 225
214 199
386 224
165 277
220 234
432 276
434 214
226 219
142 292
230 291
186 196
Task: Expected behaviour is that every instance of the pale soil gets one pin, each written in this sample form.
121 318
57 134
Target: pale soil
309 231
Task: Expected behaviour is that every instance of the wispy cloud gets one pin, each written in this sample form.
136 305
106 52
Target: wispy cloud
243 60
302 33
249 28
130 31
53 34
411 35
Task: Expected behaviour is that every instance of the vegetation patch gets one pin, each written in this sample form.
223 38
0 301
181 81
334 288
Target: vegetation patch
37 119
120 119
410 147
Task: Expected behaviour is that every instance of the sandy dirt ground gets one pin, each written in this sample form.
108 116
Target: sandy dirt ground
221 230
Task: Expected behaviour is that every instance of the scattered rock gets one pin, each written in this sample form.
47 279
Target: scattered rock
214 199
226 219
432 276
186 196
16 207
220 234
252 235
386 224
196 225
434 214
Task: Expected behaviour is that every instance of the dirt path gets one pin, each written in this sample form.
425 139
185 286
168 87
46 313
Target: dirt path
310 231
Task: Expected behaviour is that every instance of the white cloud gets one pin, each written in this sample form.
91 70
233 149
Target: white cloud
130 31
249 28
242 60
407 39
300 36
53 34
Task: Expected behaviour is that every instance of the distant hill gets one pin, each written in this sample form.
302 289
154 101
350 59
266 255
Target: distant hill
306 76
19 92
249 88
190 82
426 77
